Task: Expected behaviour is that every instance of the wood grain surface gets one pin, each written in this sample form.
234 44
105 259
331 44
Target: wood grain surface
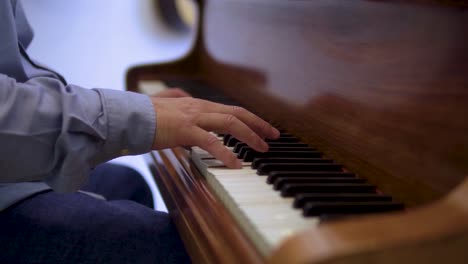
379 86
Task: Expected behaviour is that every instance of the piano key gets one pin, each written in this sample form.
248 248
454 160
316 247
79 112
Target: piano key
243 150
267 217
307 174
272 153
284 133
301 199
265 168
203 154
239 145
281 181
258 161
211 163
250 189
264 214
231 141
326 218
226 138
318 208
291 189
216 135
284 139
244 191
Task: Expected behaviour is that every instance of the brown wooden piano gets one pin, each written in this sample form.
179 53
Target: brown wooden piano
377 89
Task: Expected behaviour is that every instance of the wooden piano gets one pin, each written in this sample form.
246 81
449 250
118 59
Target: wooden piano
378 87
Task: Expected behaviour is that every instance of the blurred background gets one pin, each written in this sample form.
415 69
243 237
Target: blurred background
92 44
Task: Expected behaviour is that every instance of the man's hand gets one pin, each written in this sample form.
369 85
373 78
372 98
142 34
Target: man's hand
173 92
185 121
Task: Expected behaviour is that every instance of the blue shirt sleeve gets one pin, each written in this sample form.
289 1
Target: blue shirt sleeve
56 133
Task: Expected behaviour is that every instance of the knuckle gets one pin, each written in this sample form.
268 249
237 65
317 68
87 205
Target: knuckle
187 119
188 101
254 135
211 141
237 109
229 121
263 126
191 106
196 102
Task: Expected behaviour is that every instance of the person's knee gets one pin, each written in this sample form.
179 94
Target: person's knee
78 228
134 181
118 173
149 235
117 182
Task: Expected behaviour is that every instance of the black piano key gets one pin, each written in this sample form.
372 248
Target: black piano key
231 141
241 154
301 199
258 161
307 174
283 133
265 168
327 218
319 208
249 155
281 181
243 150
287 144
291 189
240 145
286 135
226 138
284 139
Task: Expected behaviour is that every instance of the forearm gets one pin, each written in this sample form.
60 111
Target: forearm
56 133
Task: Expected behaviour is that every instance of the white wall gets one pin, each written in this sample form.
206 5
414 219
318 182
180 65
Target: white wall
92 43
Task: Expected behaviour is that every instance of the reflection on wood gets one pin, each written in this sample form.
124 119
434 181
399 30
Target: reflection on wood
379 86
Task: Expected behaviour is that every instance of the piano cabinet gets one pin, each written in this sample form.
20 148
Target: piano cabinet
378 86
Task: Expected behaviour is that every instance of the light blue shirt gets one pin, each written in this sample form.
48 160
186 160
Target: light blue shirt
53 133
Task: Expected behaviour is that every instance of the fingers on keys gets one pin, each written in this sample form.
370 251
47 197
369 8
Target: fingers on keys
260 126
210 143
234 120
229 124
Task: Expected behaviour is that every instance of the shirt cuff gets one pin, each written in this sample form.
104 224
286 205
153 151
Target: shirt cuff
131 122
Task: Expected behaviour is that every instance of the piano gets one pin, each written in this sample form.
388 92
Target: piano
372 100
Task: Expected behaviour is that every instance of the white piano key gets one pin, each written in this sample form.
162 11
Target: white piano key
266 217
209 163
203 154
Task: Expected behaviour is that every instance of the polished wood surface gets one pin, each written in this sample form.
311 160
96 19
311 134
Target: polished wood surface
435 233
379 86
209 232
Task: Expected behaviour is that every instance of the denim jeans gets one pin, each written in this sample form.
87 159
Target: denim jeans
55 227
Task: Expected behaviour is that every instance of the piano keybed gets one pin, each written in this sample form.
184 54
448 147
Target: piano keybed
288 189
